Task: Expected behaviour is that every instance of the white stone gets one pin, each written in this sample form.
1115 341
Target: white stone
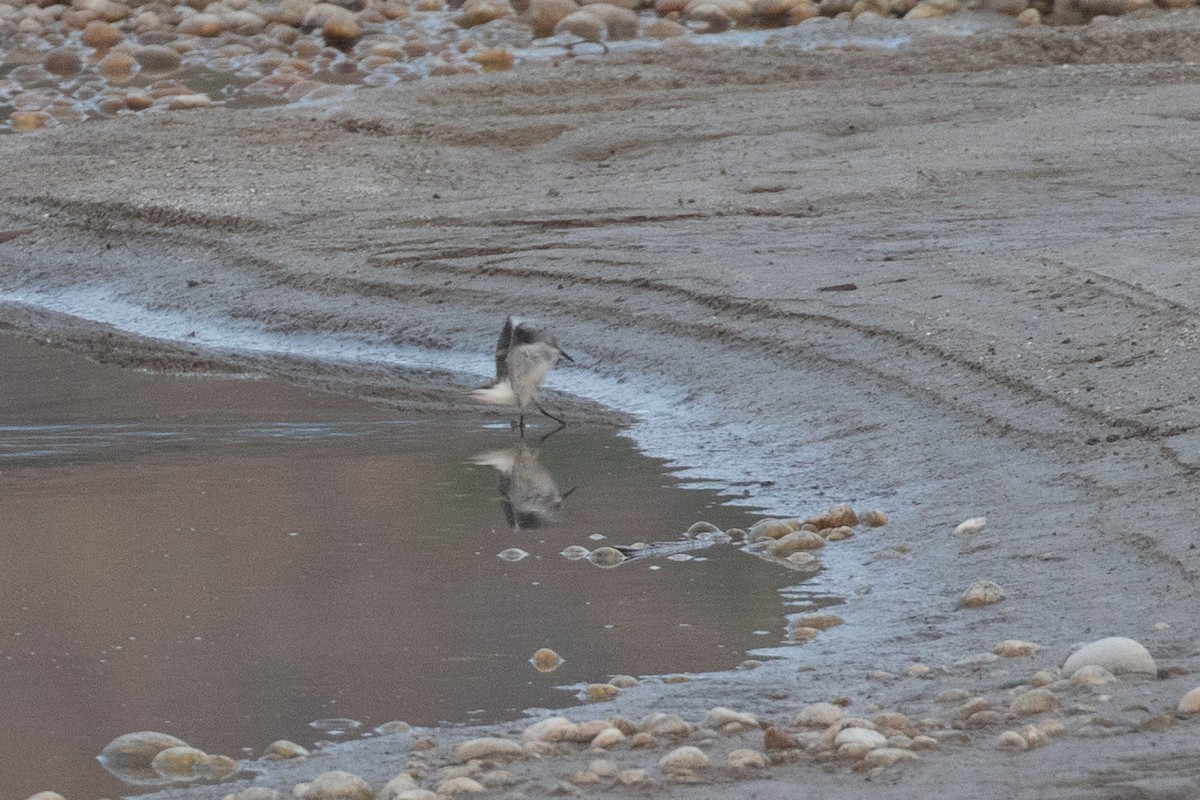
1117 654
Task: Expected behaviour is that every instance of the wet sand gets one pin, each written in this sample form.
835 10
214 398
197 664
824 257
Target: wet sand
948 281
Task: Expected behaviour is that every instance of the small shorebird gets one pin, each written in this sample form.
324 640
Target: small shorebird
525 354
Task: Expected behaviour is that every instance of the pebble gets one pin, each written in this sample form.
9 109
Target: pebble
1034 736
1028 18
157 59
778 739
918 671
335 785
137 750
796 541
838 534
1092 675
633 777
1013 741
414 794
599 692
864 737
63 62
923 742
391 727
873 518
684 759
494 60
1015 648
487 747
588 27
701 527
460 785
768 529
974 525
720 716
47 796
605 557
397 785
670 725
745 759
887 757
204 25
186 102
607 738
835 517
177 762
255 793
551 729
546 660
544 15
818 715
821 622
981 593
28 120
1190 702
800 633
1034 701
1118 654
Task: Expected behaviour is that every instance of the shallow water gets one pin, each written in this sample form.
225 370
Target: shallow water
229 561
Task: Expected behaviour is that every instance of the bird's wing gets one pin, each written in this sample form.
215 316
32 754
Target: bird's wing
502 346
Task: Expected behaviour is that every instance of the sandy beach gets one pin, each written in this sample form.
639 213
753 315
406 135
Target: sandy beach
952 280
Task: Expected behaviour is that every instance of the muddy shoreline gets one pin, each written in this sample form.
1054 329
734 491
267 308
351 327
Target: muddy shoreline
1014 212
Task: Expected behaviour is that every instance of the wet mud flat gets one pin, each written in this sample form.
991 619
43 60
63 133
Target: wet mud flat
908 281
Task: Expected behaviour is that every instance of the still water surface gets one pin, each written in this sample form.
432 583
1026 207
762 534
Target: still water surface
229 561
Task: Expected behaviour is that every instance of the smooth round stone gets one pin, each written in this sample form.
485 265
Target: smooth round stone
205 25
720 716
821 622
1190 702
1015 648
63 62
546 660
255 793
1035 701
335 785
701 527
584 24
684 759
187 102
818 715
100 35
494 59
544 15
1092 675
47 796
768 529
744 759
480 12
551 729
158 59
1012 741
620 23
599 692
28 120
117 67
609 737
137 750
606 557
974 525
1028 18
835 517
669 725
887 757
1117 654
282 749
795 542
177 762
460 785
860 736
981 593
486 747
778 739
872 518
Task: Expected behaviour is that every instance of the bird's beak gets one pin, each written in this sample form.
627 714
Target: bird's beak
567 357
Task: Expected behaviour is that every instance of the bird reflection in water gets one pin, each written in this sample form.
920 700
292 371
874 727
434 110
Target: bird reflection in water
528 493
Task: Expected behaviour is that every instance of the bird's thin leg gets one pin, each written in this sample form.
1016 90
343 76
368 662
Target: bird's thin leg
546 436
559 420
521 425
